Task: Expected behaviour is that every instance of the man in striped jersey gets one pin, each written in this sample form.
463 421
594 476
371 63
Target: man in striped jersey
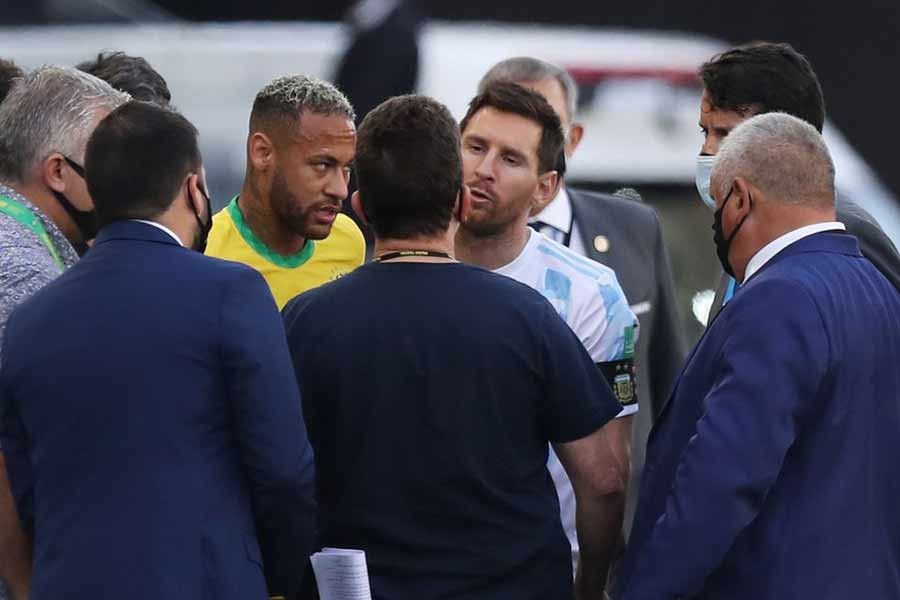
512 145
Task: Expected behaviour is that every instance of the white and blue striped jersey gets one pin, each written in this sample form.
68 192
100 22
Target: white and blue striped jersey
590 300
586 295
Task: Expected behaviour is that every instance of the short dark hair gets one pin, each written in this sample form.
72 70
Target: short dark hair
513 98
409 167
131 74
9 74
280 104
763 77
136 160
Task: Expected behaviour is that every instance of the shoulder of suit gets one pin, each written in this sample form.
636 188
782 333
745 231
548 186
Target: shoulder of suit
852 214
580 269
637 213
861 224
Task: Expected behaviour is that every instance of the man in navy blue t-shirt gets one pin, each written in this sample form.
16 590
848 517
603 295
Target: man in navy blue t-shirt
431 389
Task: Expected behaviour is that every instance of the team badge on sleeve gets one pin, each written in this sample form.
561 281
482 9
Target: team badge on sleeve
619 374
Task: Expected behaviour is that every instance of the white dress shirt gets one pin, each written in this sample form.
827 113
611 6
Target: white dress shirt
558 215
769 251
163 228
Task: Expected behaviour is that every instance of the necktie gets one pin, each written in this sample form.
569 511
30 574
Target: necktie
549 230
733 286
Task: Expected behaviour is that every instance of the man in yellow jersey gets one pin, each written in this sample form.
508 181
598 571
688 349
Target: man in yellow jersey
287 222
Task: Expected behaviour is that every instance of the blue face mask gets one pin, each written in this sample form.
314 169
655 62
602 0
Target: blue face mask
705 165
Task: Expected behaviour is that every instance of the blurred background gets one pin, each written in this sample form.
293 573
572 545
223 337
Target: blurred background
635 64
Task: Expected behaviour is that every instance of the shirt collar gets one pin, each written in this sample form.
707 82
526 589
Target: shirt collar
510 268
163 228
769 251
63 245
557 214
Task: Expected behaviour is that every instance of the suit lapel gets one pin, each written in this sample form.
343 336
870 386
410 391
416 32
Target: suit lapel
687 363
587 233
719 299
826 241
657 423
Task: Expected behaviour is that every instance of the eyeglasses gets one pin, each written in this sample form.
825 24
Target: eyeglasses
75 166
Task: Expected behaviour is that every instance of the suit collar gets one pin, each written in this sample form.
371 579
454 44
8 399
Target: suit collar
770 250
827 241
134 230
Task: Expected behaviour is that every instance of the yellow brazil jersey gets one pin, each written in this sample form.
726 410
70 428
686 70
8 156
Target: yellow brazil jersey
320 261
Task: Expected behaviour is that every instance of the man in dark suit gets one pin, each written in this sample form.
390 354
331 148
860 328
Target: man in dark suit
622 234
151 420
382 60
771 472
766 77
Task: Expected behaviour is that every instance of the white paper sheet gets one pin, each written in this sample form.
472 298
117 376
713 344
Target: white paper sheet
341 574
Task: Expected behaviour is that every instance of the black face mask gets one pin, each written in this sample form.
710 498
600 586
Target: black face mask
85 220
723 245
203 234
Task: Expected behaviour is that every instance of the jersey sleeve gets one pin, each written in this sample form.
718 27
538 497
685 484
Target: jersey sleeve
608 329
577 399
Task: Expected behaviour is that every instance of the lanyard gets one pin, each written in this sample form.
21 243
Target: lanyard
408 253
26 217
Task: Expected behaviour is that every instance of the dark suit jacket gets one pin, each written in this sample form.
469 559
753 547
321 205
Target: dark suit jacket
383 61
772 470
875 245
153 430
637 254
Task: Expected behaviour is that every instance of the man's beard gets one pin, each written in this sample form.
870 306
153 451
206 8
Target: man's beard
484 229
492 224
286 208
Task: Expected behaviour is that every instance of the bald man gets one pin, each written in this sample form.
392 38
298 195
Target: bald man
771 472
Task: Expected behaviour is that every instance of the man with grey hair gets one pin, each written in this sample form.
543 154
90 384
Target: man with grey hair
771 472
46 213
287 221
624 235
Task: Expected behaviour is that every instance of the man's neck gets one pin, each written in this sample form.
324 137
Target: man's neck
266 225
439 245
493 251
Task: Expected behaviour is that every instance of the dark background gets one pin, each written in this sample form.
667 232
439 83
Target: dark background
853 46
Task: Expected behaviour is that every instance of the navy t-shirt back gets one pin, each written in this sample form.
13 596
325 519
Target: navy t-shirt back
430 392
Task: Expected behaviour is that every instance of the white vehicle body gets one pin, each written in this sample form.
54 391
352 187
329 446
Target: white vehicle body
641 118
641 129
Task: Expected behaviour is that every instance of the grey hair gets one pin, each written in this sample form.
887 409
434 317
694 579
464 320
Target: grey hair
523 69
52 109
289 97
782 155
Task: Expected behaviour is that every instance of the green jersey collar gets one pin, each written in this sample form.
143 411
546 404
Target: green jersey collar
291 261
